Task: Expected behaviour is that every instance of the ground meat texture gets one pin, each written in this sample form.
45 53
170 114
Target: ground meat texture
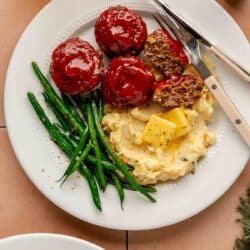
76 67
165 53
120 31
178 91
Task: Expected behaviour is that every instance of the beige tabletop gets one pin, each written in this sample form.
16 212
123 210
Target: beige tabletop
24 210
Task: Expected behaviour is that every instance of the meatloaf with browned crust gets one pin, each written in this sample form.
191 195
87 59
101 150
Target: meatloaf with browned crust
178 91
157 52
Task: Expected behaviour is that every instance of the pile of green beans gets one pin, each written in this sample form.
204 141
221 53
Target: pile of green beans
79 134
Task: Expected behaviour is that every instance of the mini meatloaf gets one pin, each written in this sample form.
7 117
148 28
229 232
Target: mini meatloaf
165 53
120 31
178 91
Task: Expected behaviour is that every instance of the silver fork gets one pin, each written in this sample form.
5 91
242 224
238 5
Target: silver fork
239 69
193 48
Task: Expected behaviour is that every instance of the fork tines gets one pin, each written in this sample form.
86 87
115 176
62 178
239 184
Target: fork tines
159 19
164 24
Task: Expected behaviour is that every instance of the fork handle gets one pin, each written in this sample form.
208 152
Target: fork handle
229 108
233 65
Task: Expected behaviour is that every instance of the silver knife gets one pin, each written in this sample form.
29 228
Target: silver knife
239 69
193 48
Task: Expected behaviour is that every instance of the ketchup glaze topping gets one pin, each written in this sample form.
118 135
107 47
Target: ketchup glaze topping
176 91
127 82
76 67
175 46
120 31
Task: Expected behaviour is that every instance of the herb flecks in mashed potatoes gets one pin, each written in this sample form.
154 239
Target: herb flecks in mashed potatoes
157 164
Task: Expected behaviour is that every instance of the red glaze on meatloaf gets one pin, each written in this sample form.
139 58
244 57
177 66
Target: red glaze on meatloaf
76 67
120 31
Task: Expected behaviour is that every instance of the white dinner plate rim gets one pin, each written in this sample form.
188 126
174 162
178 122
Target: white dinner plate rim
60 205
47 236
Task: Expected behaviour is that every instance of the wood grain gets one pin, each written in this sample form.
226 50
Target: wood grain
240 11
14 17
214 228
23 209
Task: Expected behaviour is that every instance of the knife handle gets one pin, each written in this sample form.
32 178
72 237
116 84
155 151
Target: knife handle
229 108
233 65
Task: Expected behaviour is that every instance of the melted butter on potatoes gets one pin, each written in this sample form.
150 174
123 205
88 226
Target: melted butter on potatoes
158 164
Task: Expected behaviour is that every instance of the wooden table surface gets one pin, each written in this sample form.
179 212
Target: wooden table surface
23 209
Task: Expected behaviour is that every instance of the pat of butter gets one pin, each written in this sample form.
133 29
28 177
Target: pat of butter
177 116
158 132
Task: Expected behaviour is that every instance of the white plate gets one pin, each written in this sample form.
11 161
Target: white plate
46 241
38 156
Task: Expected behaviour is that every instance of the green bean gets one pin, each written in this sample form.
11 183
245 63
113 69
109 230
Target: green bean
127 186
91 159
59 104
71 168
130 168
129 177
56 112
76 161
106 164
64 134
96 198
54 135
80 146
81 105
146 188
73 139
101 108
96 148
103 156
65 147
98 179
101 114
72 109
118 187
102 151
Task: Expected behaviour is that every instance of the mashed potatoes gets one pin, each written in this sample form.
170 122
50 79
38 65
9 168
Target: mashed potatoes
152 165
